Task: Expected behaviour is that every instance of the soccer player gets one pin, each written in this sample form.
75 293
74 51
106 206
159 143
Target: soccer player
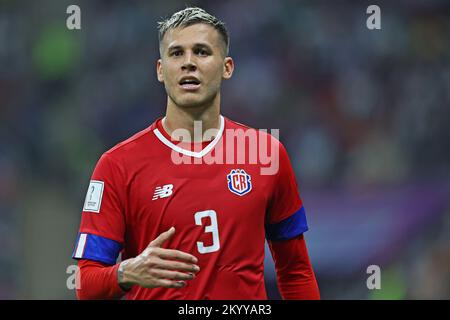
188 227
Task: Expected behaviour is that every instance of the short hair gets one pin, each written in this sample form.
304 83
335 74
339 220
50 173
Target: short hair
191 16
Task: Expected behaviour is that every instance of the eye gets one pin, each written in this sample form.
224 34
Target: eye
176 53
202 52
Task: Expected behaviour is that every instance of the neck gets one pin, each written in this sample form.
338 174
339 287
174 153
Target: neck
184 118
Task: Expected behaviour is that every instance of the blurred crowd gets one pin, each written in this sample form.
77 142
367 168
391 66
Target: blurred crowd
363 113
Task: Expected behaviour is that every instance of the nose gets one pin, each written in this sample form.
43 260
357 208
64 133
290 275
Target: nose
188 63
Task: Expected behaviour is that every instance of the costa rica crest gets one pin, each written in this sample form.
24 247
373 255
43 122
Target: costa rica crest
239 182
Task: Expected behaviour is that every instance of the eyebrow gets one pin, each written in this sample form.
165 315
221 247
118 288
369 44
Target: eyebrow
197 45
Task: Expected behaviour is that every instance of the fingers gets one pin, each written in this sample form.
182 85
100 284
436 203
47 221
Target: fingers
170 284
171 254
179 266
166 268
167 259
172 275
163 237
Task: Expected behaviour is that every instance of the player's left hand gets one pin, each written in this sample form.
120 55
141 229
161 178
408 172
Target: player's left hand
158 267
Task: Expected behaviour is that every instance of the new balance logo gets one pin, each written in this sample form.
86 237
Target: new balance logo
163 192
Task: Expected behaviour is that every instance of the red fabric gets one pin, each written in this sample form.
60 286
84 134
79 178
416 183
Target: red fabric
98 281
132 212
296 279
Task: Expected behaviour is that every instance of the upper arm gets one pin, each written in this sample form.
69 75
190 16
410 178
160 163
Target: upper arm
102 226
286 218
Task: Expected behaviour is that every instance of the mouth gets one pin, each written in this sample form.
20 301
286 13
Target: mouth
189 83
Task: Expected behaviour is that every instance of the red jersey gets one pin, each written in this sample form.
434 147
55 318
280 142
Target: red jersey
222 210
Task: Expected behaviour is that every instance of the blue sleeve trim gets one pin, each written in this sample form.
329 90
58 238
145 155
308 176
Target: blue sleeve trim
289 228
96 248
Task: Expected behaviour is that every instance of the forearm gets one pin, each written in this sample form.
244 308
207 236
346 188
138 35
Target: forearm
295 275
98 281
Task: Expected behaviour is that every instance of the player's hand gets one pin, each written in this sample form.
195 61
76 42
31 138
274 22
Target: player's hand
158 267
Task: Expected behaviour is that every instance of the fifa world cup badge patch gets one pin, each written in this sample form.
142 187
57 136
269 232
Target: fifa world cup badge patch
239 182
94 196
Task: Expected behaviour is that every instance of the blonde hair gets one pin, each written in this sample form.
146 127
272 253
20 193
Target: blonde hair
190 16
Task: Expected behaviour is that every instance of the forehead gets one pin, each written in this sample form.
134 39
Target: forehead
188 36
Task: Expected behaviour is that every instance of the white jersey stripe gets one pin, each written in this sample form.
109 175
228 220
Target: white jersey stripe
200 154
80 246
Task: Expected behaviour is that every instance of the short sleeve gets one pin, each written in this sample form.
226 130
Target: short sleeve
102 227
286 218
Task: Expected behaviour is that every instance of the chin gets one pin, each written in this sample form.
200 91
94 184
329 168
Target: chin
188 104
192 102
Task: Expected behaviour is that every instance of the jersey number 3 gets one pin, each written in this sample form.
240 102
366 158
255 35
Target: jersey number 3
211 228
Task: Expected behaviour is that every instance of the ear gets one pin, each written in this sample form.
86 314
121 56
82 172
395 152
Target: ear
228 68
159 71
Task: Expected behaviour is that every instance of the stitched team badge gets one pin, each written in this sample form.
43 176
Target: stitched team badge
239 182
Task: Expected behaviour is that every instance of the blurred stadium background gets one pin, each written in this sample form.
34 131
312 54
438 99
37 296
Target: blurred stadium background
364 115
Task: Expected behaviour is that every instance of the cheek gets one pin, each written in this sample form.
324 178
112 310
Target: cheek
218 79
169 74
216 76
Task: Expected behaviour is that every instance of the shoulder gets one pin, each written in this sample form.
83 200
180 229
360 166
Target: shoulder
272 134
139 140
231 124
130 143
264 134
132 148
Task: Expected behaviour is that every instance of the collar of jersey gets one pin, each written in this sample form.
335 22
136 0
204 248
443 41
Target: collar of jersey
190 153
